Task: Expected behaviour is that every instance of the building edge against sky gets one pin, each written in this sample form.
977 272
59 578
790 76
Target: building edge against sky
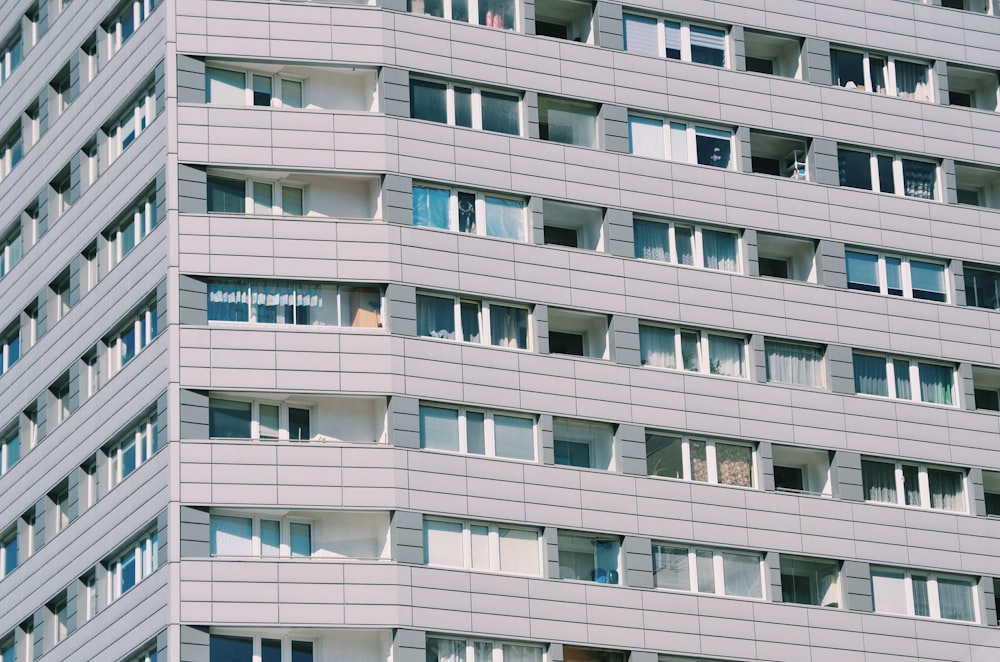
500 330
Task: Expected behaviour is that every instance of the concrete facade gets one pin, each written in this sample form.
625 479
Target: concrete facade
235 423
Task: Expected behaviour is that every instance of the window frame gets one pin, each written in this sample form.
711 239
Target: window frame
143 438
11 347
140 11
139 221
711 459
905 275
256 638
256 545
934 605
142 328
496 654
484 320
8 438
480 210
770 342
277 188
144 553
489 431
898 180
493 540
704 337
691 133
923 483
283 417
343 292
888 73
277 91
698 255
718 569
685 26
913 375
476 104
141 112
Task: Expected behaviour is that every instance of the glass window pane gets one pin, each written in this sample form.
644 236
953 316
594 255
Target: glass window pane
935 383
862 271
809 582
497 14
848 69
518 653
428 101
223 648
855 169
664 456
505 218
928 281
721 250
705 566
463 106
672 34
291 94
656 346
435 317
651 240
509 327
982 288
877 71
226 195
469 311
879 481
678 142
228 419
734 464
901 370
708 46
430 207
480 546
225 87
671 568
713 147
699 461
572 124
645 137
955 596
514 437
298 424
725 356
741 574
501 112
790 363
886 177
870 375
270 537
262 90
911 485
445 650
263 198
302 651
912 81
519 551
641 35
438 428
291 201
919 179
921 601
230 536
690 350
269 423
300 538
947 490
894 276
270 650
475 432
684 238
443 543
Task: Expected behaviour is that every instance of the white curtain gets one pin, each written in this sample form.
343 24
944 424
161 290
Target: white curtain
935 383
443 544
720 250
684 238
741 574
445 650
912 81
955 596
919 179
870 375
509 327
641 35
879 481
652 240
505 218
671 568
435 317
430 207
228 301
921 601
231 536
656 347
518 653
725 356
794 364
946 489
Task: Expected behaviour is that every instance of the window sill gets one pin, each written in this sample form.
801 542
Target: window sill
706 483
465 343
698 373
939 511
312 328
478 456
899 401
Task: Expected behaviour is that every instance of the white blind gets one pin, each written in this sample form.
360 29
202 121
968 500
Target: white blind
645 137
231 536
672 35
640 35
443 544
708 38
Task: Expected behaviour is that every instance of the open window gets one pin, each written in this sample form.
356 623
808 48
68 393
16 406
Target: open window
589 557
972 88
982 287
977 6
774 54
291 417
572 225
565 19
580 654
810 581
788 258
801 470
991 492
567 122
578 334
987 388
977 186
583 444
779 155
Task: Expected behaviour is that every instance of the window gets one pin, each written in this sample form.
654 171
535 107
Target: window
482 546
59 506
262 648
128 20
58 400
468 320
971 88
801 470
991 491
62 92
777 55
580 654
701 460
131 229
10 249
133 121
298 303
226 195
259 536
133 337
887 173
905 484
567 122
904 379
786 257
722 572
469 211
699 351
87 606
680 141
792 363
982 288
267 421
487 433
59 297
139 560
10 347
578 334
465 105
881 74
11 150
915 593
779 155
10 448
11 54
239 88
8 551
583 444
589 557
476 650
58 618
61 194
896 275
689 245
88 60
978 6
810 581
574 226
133 450
490 13
148 654
675 40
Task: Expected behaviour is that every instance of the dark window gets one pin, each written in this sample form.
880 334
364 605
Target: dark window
561 236
226 195
229 419
545 29
848 69
270 650
788 478
855 169
765 166
428 101
982 288
963 99
463 106
992 503
565 343
302 651
298 424
230 649
987 399
760 65
968 196
572 453
773 267
501 113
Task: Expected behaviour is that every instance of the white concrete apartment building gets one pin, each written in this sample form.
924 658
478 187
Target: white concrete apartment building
499 330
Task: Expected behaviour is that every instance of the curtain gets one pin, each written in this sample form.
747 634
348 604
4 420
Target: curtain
879 481
794 364
514 437
645 137
935 383
705 565
509 327
919 179
678 142
469 313
517 653
725 356
921 603
720 250
671 568
911 485
741 573
870 375
438 428
443 544
505 218
641 35
652 240
430 207
228 301
901 373
684 240
231 536
435 317
877 71
946 489
656 346
501 112
571 124
734 464
955 597
912 81
445 650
